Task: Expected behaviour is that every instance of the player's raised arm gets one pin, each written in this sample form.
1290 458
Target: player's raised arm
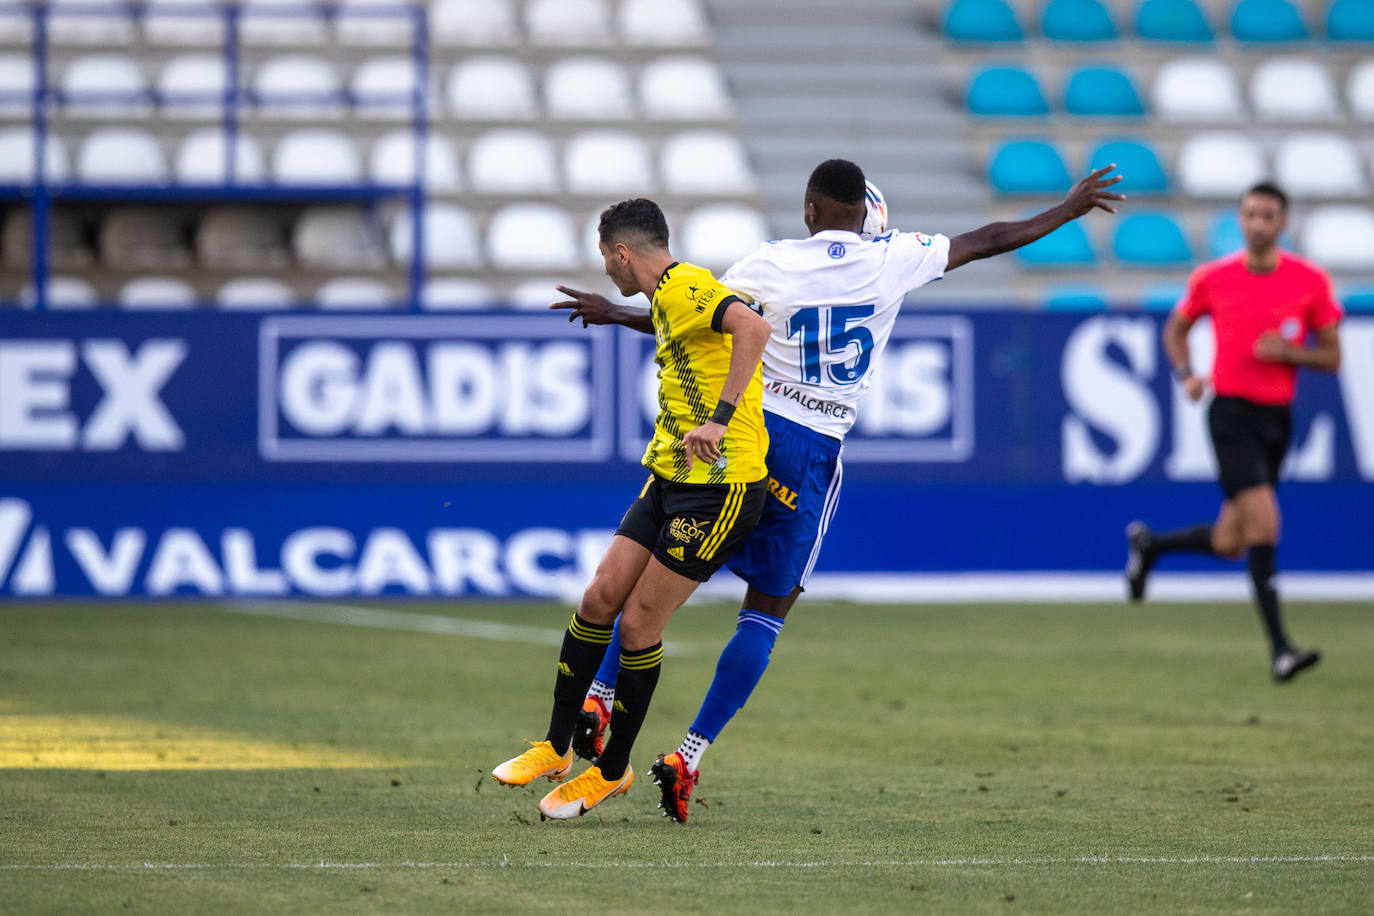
750 332
997 238
595 309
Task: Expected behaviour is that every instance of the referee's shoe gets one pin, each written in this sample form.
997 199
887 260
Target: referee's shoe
1290 661
1140 558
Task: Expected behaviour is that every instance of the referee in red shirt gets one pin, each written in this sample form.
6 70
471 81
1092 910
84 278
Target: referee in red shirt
1264 303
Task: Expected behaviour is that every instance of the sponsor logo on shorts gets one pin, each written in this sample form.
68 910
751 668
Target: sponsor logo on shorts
785 495
688 530
677 553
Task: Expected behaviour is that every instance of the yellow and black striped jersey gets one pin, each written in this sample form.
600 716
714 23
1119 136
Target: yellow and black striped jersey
693 359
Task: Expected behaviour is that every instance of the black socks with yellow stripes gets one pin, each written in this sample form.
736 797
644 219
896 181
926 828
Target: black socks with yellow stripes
584 645
634 688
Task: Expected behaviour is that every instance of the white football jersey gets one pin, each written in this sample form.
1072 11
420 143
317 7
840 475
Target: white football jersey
831 300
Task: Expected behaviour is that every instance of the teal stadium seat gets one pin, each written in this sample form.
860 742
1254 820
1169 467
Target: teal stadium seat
1350 20
1077 20
1006 92
1224 236
1102 92
1267 21
1149 240
1136 161
1076 299
1161 297
981 22
1028 167
1172 20
1065 247
1359 300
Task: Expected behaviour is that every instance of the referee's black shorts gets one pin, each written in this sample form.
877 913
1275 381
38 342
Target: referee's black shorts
693 528
1250 441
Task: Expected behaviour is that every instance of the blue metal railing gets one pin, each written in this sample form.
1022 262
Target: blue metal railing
42 193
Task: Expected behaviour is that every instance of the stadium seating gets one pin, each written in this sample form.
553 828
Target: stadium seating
1319 165
1005 92
1359 90
534 294
142 238
684 88
1196 89
587 88
157 293
63 293
355 293
1224 235
662 23
1161 297
441 293
355 24
202 158
1077 20
384 88
281 22
108 28
608 162
192 86
337 237
1293 89
17 156
121 155
1136 161
392 161
1101 92
451 237
250 293
705 162
240 238
1350 20
16 85
316 156
1340 236
981 21
297 87
1359 300
1219 164
104 86
67 248
474 23
512 161
491 88
1173 21
1150 240
576 23
165 24
1076 299
16 28
1267 21
716 236
1066 248
1027 167
531 236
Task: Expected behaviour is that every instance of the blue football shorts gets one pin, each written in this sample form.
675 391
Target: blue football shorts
804 474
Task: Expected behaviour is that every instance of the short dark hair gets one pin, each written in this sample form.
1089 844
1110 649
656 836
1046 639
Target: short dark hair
1269 189
639 216
838 179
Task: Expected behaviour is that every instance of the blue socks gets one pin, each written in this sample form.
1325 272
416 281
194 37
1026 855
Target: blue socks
741 664
610 662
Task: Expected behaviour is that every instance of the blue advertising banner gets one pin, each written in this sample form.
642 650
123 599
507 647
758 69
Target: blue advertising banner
492 454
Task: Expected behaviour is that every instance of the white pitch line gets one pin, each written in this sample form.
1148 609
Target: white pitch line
383 619
817 864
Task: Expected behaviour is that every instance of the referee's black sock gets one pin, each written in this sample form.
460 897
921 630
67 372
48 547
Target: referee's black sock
584 645
634 688
1266 596
1196 539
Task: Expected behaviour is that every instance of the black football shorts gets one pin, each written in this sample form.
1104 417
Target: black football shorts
1250 441
693 528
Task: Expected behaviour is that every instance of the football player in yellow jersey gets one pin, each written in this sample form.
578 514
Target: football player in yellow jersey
704 495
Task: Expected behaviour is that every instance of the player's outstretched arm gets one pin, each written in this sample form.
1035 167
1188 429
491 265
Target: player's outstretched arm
997 238
594 309
750 333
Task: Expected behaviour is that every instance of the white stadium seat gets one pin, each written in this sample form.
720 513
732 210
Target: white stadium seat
591 242
62 293
1340 237
17 156
384 87
514 161
157 293
281 22
705 162
535 294
16 82
312 156
337 237
356 23
1359 90
1293 89
608 162
355 293
684 88
16 27
167 22
440 293
451 237
202 158
491 88
567 23
1318 165
1219 164
142 238
663 23
716 236
587 88
473 23
251 293
109 29
121 155
297 87
532 236
240 238
392 161
192 86
104 86
1196 89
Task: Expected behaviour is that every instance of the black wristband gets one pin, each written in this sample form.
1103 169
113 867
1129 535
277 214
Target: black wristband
1183 373
724 411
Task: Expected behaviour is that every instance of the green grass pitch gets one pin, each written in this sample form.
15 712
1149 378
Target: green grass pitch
171 758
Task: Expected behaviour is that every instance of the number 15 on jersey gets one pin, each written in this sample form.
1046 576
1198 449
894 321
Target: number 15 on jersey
841 363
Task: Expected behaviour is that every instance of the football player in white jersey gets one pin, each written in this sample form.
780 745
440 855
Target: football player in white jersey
831 299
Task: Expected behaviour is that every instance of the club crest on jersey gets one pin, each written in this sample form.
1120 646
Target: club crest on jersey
1291 329
836 250
688 530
